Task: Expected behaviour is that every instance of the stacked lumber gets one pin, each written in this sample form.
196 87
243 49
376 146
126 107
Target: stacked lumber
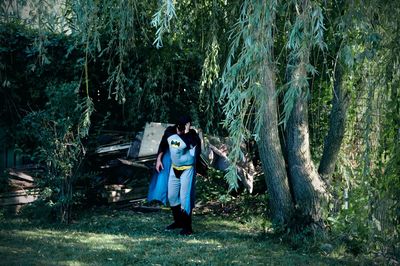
20 187
18 197
113 143
20 179
126 165
120 193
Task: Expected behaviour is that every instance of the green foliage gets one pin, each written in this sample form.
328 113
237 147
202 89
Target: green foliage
370 223
87 108
305 34
162 20
54 134
214 199
23 81
209 83
41 210
2 215
351 226
104 45
212 186
242 78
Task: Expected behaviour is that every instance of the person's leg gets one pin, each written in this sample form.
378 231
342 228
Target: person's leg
174 201
177 216
185 194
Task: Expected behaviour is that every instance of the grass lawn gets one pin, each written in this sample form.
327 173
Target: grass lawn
109 237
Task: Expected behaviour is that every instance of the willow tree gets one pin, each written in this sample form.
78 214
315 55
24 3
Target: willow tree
263 71
252 79
250 86
260 77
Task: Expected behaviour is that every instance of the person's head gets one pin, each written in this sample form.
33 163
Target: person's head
183 123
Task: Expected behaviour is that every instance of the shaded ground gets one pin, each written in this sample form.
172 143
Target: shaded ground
109 237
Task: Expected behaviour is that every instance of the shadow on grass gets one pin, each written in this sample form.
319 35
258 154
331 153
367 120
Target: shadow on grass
131 238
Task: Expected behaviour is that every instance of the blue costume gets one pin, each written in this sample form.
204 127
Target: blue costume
176 182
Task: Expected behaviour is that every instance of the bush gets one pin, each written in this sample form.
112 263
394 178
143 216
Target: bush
54 136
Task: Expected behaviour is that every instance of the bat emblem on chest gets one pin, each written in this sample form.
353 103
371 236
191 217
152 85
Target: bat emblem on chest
175 143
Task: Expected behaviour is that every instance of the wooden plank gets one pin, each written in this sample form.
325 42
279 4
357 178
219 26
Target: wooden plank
132 163
18 193
20 183
133 194
118 193
20 175
152 135
114 187
23 199
144 159
113 148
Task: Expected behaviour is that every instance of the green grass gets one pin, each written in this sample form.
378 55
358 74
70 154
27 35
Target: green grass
108 237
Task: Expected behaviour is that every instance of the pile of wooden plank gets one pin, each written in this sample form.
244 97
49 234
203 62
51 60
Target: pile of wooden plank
120 193
124 163
20 187
126 167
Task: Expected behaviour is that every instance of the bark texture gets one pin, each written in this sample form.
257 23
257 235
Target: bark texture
337 126
307 186
271 156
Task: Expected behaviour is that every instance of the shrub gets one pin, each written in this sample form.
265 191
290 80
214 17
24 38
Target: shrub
54 138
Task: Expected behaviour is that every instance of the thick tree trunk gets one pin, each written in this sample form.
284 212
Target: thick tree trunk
337 126
307 186
271 156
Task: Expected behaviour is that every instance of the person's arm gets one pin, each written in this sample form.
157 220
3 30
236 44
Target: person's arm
162 149
159 164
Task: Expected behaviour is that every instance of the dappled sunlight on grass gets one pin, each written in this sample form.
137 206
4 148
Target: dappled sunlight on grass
127 238
221 223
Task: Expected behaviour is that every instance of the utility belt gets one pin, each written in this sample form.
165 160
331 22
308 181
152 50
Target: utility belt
178 170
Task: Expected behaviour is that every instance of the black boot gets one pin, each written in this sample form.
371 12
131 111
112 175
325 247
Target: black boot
177 215
187 224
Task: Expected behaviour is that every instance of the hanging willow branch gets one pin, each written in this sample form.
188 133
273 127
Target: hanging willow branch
209 81
42 17
251 47
92 20
162 20
306 33
87 106
123 23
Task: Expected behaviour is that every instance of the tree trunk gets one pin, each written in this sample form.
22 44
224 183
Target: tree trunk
337 126
307 185
271 155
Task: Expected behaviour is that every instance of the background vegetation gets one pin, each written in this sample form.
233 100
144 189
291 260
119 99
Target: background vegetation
68 68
